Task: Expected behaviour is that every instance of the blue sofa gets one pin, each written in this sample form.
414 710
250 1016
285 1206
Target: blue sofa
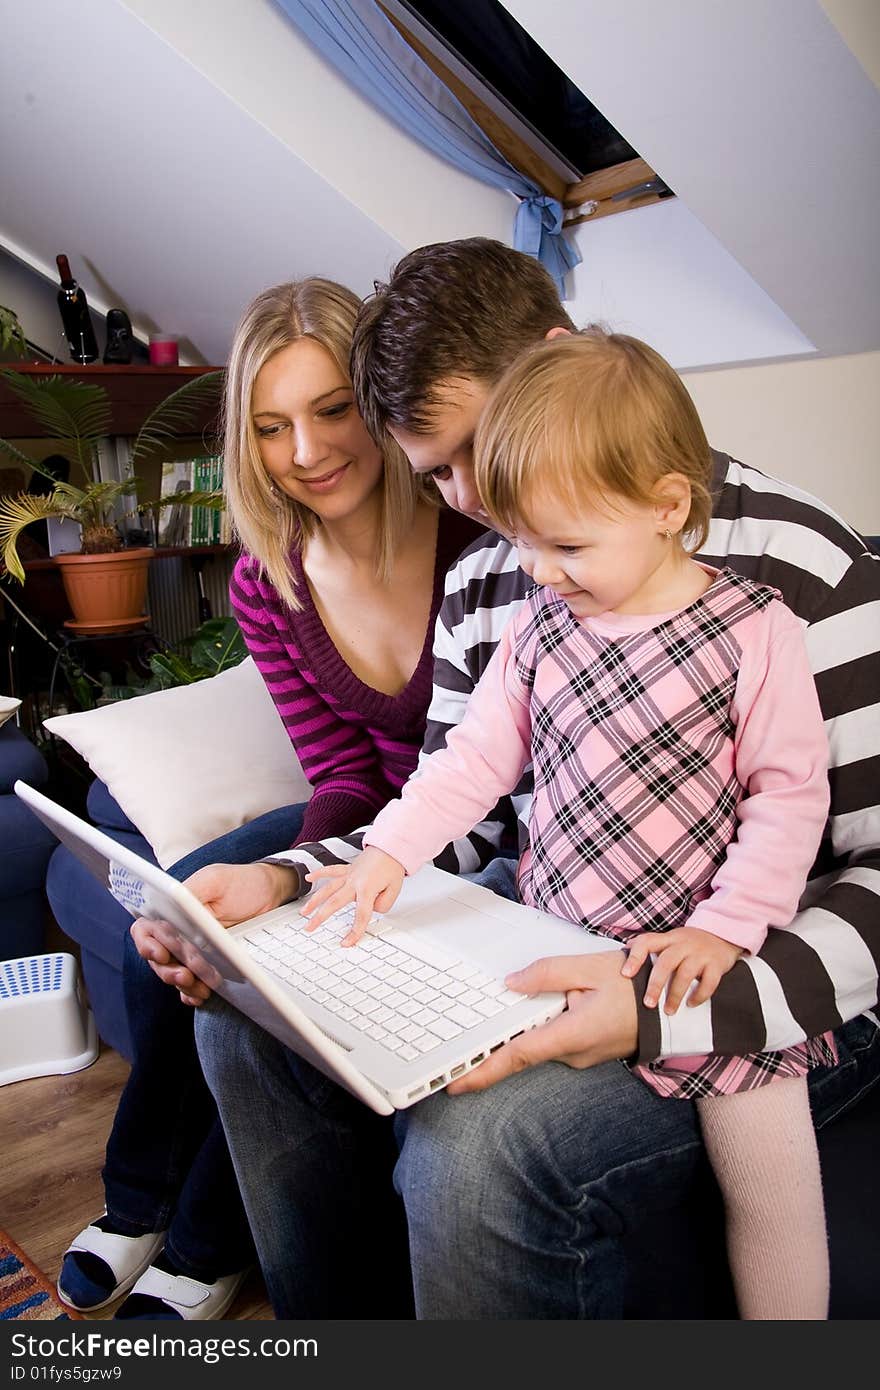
25 847
86 912
677 1257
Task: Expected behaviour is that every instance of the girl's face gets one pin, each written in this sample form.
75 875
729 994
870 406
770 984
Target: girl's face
312 441
616 559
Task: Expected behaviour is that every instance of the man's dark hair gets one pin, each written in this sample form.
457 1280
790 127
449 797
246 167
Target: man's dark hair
453 309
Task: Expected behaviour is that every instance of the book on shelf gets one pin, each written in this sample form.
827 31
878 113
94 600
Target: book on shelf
217 516
175 522
114 466
191 525
225 527
198 513
205 479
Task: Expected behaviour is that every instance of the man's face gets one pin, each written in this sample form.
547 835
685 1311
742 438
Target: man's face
446 454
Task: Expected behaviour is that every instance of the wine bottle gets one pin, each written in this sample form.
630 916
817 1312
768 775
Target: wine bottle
75 315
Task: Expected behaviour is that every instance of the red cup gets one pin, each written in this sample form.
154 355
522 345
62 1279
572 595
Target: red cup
163 350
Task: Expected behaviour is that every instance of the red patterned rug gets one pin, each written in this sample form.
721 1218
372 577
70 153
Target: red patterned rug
24 1291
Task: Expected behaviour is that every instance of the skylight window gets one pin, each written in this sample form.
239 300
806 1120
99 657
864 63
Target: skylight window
529 108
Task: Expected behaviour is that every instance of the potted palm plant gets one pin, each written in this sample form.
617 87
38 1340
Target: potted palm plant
105 582
12 339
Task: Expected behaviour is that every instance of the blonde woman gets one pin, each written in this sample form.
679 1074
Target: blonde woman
345 556
337 590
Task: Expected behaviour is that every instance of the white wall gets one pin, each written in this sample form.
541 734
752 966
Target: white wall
657 270
758 115
170 201
254 54
814 422
656 273
858 23
224 155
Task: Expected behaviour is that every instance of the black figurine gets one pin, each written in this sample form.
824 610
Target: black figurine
120 344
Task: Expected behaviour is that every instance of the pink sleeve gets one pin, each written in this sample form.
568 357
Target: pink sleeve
337 756
782 761
458 785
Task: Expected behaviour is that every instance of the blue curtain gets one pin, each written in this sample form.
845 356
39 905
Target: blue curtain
362 44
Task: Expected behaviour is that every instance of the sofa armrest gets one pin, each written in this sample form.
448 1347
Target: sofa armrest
105 812
19 758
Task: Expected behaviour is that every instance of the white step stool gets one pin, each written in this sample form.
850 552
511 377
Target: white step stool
46 1026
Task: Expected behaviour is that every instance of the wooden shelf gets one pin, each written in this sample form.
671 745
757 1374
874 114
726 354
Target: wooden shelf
133 391
163 552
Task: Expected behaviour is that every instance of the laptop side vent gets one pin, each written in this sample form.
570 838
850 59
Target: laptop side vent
443 1080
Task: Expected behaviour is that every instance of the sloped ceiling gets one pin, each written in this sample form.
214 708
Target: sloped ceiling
186 153
764 123
178 202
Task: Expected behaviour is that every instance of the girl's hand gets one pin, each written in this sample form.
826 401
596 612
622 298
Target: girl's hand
373 881
683 955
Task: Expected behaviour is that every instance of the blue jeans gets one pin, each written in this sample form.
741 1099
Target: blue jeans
540 1185
523 1201
167 1164
314 1167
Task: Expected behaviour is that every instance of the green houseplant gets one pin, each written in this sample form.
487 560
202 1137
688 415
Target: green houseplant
216 646
12 339
75 415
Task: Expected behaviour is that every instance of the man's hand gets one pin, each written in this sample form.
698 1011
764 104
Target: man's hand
234 893
600 1024
683 955
373 880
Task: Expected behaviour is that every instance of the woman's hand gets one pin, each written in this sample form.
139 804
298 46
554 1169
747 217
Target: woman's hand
234 893
373 881
684 955
170 971
599 1025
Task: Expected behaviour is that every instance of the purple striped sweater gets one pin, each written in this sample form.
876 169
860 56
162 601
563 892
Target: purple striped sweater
357 746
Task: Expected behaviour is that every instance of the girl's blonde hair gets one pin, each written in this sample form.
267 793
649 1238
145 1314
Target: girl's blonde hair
270 524
587 417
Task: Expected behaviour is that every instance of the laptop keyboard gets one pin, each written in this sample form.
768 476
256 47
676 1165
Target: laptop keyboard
408 997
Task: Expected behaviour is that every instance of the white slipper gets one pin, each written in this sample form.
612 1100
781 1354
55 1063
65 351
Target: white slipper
188 1298
126 1256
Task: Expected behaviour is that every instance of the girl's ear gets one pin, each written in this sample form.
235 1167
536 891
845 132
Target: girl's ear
672 502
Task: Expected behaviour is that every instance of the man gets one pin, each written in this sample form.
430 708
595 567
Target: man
524 1199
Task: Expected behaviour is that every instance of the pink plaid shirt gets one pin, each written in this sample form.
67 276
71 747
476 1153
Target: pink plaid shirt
680 771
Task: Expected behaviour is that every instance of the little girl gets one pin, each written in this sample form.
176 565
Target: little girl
679 755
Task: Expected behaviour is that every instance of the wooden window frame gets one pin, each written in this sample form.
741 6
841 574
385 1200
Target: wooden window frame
584 200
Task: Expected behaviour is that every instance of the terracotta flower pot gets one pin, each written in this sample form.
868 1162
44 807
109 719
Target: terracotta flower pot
106 591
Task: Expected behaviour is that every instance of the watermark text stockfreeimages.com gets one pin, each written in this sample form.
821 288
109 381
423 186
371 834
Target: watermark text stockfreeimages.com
31 1347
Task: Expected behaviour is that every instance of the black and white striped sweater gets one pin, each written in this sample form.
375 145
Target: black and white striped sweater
822 970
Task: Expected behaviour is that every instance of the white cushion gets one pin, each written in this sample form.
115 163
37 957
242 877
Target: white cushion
191 763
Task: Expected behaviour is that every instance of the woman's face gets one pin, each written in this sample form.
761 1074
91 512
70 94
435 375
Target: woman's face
313 443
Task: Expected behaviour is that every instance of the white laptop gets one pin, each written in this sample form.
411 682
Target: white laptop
417 1002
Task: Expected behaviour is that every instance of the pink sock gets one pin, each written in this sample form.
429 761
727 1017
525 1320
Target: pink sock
762 1147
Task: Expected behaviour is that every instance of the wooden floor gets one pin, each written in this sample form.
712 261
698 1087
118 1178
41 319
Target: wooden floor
54 1130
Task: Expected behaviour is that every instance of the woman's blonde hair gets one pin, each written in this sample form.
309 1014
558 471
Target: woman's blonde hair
587 417
270 524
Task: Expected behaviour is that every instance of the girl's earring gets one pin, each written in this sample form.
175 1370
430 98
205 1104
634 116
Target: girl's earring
668 534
